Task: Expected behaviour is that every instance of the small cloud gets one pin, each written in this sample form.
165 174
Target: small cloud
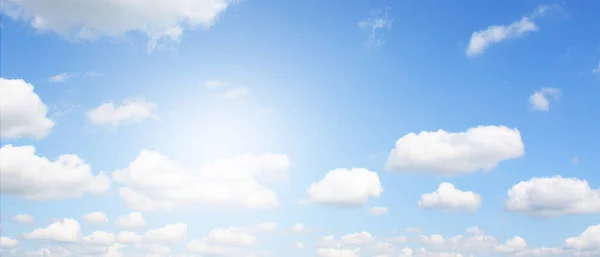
540 101
375 24
62 77
214 83
236 93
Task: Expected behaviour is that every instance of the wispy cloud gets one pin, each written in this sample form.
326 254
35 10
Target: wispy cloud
65 76
540 100
483 39
376 23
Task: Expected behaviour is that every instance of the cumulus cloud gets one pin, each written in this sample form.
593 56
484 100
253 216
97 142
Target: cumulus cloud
23 219
24 115
483 39
448 198
154 182
161 22
130 110
347 187
35 177
553 196
378 211
131 221
540 100
447 153
67 230
95 218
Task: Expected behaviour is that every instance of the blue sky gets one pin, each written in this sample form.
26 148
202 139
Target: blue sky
233 121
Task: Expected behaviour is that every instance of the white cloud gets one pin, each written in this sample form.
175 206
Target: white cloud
334 252
134 220
513 245
170 233
483 39
23 113
67 230
100 238
347 187
161 22
378 211
130 110
8 243
34 177
154 182
214 83
298 228
95 218
236 93
539 100
553 196
588 240
23 219
446 153
449 198
375 24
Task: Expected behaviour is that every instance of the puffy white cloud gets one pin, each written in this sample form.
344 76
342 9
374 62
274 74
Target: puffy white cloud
346 187
539 99
553 196
24 115
588 240
378 211
236 93
335 252
100 238
513 245
67 230
170 233
23 218
298 228
446 153
154 182
8 243
95 218
449 198
128 238
130 110
34 177
481 40
134 220
161 22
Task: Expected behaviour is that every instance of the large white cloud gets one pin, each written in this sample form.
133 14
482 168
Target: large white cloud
448 198
24 115
483 39
131 221
553 196
447 153
34 177
130 110
67 230
84 20
155 182
347 187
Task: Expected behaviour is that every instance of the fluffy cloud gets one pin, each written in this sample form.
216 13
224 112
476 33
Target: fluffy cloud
67 230
23 219
347 187
130 110
8 243
446 153
134 220
588 240
553 196
95 218
161 22
155 182
539 100
449 198
378 211
23 113
483 39
34 177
